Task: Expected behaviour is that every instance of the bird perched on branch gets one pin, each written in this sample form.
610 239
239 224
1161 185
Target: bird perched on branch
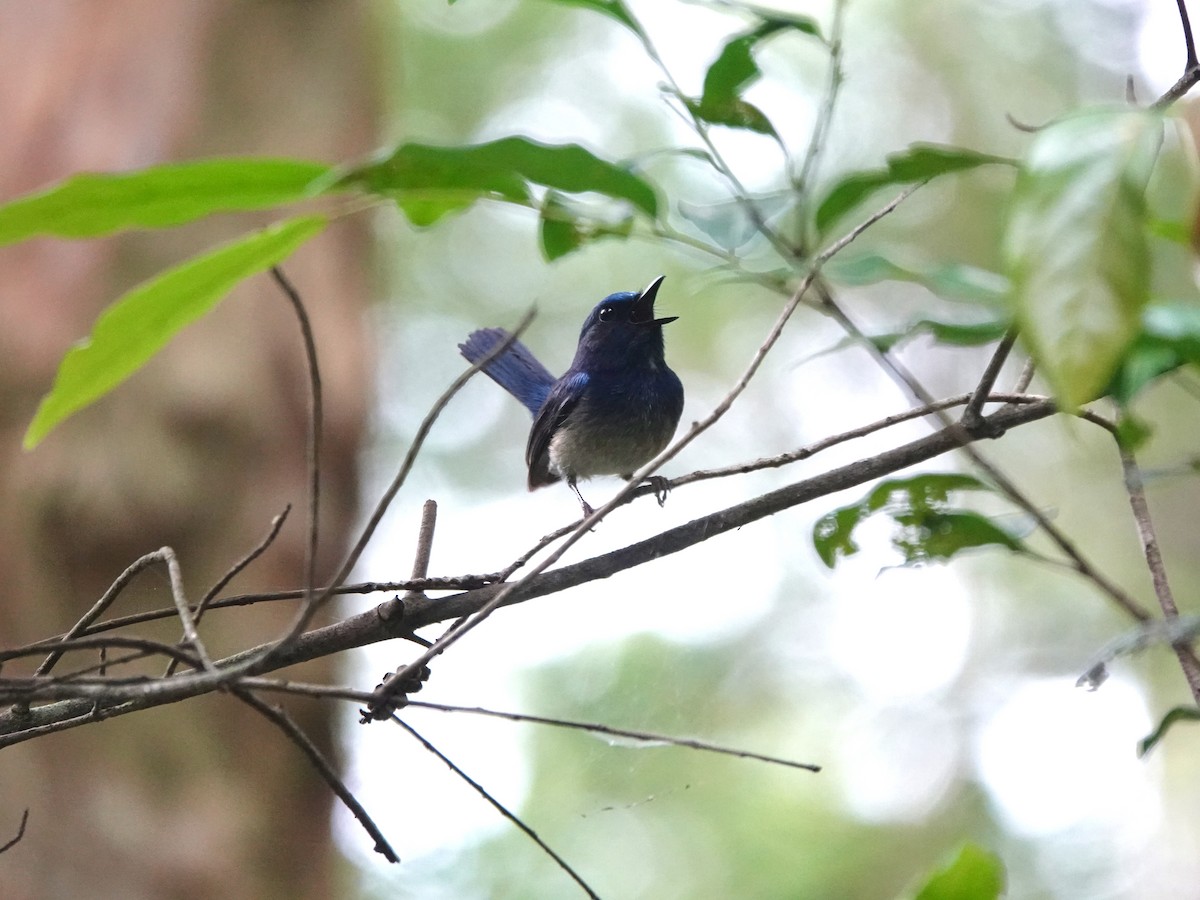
613 410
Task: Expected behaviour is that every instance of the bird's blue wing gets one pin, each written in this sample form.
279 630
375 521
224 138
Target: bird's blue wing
562 400
516 370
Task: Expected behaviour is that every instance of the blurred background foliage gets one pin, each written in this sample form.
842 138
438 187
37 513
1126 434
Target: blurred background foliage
939 700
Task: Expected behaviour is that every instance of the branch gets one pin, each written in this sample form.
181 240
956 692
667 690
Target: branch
500 807
1191 68
1136 490
383 622
315 424
279 718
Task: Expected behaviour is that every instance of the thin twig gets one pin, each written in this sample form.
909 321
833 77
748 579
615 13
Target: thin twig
278 717
190 635
598 728
1136 490
19 835
234 570
500 807
802 182
386 693
342 693
306 614
98 608
315 426
1191 68
972 417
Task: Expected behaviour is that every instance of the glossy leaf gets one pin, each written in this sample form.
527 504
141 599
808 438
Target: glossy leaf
920 162
928 529
1076 246
429 182
139 323
90 205
975 874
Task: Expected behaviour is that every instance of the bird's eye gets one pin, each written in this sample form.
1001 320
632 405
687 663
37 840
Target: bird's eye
606 313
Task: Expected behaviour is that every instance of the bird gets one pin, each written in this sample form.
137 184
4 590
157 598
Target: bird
613 410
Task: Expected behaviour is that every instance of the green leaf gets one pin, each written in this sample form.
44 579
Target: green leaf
1169 338
139 323
1076 247
735 69
951 281
919 162
566 227
1178 714
954 334
429 182
614 9
90 205
975 874
927 528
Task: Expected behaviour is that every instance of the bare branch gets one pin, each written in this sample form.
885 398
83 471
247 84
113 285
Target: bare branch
20 833
1191 68
972 416
500 807
375 625
315 427
1136 490
278 717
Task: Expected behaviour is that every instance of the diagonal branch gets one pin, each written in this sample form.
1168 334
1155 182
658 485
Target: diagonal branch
500 807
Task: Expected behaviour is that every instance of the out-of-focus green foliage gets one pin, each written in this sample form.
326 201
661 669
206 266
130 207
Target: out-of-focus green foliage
94 205
138 324
928 529
1077 246
974 874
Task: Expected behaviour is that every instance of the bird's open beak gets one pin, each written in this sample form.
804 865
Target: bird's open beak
643 310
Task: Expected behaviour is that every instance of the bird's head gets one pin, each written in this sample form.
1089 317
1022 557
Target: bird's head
622 329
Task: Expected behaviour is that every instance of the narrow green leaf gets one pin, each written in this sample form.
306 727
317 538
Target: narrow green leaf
90 205
1178 714
975 874
1076 246
954 334
920 162
927 528
429 182
139 323
614 9
567 226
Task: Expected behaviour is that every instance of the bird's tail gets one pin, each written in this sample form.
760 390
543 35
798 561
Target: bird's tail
516 369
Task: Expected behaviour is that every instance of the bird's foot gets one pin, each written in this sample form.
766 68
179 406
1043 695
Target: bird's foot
661 485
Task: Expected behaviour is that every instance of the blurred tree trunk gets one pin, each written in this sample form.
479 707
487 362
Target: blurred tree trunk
198 452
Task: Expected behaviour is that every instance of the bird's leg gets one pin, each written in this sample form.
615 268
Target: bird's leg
587 510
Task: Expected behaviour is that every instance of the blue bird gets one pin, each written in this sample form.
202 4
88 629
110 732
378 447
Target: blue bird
613 410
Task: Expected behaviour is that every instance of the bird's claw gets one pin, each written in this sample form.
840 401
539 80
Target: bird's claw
661 485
